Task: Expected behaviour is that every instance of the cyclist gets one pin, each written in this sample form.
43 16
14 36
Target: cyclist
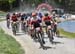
40 15
47 20
23 18
24 22
35 23
55 29
8 19
14 20
49 26
18 16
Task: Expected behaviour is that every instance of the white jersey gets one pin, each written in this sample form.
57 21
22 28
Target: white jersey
28 18
37 18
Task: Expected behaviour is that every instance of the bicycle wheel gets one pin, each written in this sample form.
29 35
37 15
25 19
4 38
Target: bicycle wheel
14 26
8 24
41 41
50 35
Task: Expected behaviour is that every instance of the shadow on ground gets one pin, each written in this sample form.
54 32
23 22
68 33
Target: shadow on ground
47 47
57 42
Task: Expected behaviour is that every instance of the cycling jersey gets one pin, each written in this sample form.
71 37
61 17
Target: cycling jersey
47 20
39 19
14 18
19 15
8 16
23 17
40 15
35 22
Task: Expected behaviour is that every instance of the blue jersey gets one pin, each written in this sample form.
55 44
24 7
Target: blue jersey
24 17
40 15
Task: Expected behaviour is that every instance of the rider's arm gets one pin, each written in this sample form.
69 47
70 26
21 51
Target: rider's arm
43 21
11 18
51 19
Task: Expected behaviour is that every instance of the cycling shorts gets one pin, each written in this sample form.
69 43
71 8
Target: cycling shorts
48 23
36 25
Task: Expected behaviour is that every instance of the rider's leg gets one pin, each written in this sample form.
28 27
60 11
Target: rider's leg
8 23
17 25
46 30
21 25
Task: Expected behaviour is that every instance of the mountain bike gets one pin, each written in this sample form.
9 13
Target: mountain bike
50 33
14 27
8 23
40 36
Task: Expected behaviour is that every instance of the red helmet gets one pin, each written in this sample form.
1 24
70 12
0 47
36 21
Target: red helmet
34 14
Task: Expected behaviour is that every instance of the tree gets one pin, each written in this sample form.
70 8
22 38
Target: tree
4 4
10 3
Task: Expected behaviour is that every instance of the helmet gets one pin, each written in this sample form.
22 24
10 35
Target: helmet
16 12
24 13
34 14
19 13
8 13
13 13
46 14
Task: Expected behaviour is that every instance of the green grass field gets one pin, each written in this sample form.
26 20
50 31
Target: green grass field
8 45
1 16
67 34
2 20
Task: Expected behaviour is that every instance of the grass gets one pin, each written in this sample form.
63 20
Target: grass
8 45
1 16
67 34
2 20
2 13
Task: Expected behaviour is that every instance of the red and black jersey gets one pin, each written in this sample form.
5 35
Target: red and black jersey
47 18
14 18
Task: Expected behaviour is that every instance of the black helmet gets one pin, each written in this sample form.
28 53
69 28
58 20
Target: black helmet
13 13
46 14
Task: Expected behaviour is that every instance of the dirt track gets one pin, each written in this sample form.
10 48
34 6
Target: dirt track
62 46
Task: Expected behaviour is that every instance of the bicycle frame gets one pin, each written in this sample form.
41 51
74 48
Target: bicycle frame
14 27
38 32
50 33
